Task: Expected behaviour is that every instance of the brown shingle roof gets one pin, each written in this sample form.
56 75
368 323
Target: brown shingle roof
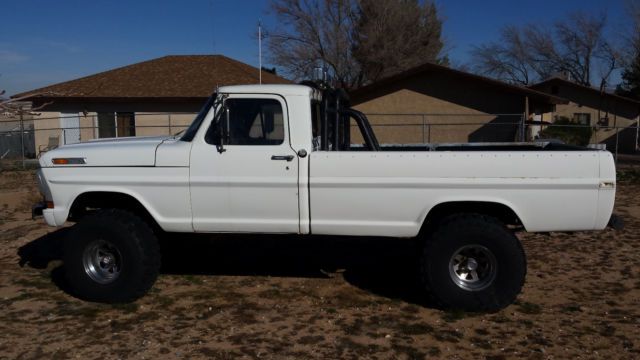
174 76
453 73
558 81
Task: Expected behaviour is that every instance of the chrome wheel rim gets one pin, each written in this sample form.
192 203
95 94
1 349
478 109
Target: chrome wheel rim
473 267
102 261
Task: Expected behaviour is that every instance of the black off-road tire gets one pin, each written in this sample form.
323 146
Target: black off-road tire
125 242
449 281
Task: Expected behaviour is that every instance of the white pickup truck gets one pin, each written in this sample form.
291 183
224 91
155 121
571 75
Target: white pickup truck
282 159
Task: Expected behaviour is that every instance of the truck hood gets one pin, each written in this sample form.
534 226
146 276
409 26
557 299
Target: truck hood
133 151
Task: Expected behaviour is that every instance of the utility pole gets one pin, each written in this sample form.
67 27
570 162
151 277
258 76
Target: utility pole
260 50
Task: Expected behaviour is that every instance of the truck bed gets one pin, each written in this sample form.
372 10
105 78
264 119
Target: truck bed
486 146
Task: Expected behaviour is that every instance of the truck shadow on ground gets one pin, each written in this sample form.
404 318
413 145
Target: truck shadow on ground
383 266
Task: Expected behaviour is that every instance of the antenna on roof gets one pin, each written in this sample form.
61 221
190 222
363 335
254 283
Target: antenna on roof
213 36
213 29
260 49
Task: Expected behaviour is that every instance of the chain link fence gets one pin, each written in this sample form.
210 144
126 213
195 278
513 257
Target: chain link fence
23 140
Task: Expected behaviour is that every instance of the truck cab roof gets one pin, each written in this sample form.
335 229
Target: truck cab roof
286 90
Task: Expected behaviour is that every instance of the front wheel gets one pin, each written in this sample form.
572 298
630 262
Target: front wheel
473 262
111 256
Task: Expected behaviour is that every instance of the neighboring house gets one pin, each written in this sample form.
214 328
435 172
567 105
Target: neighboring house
153 97
600 110
433 98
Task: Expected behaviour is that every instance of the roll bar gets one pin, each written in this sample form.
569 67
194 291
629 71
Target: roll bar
335 125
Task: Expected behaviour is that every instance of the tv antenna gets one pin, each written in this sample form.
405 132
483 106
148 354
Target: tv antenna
260 50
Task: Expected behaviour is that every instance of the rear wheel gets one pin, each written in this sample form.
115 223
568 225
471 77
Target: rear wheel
473 262
111 256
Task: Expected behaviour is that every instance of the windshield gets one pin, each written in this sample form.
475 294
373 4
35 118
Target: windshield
195 125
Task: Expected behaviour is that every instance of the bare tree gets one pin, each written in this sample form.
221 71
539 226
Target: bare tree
575 45
313 33
630 32
17 106
395 35
507 60
580 43
358 40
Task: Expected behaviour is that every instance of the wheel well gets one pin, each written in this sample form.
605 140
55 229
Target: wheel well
497 210
88 201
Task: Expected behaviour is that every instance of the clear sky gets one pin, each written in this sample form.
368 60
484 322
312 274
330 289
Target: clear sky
44 42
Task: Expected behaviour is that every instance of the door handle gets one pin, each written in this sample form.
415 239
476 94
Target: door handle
282 157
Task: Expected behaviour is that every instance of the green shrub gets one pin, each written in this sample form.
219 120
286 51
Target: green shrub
574 135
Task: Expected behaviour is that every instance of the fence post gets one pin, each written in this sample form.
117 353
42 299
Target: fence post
22 136
617 144
94 125
637 131
424 129
522 127
169 123
115 123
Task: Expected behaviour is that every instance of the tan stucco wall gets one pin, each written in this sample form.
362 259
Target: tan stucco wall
154 124
147 113
47 124
87 125
430 128
454 113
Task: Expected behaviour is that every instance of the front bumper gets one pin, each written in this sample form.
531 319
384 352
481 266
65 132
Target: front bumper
40 209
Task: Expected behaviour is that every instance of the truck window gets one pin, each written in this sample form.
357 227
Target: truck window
316 115
251 122
195 125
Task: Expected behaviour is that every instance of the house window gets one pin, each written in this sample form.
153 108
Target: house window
116 124
582 119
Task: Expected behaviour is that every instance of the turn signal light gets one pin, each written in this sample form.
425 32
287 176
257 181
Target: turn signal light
49 204
69 161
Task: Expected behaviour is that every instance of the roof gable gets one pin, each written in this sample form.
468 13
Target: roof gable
174 76
455 74
562 82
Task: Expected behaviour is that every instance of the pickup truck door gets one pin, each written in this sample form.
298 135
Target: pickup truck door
252 185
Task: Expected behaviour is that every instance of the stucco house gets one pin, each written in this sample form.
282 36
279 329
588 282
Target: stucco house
154 97
601 110
448 105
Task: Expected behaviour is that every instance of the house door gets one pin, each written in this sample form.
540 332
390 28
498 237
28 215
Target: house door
70 124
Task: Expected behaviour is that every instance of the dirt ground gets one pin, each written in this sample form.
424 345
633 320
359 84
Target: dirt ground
318 298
